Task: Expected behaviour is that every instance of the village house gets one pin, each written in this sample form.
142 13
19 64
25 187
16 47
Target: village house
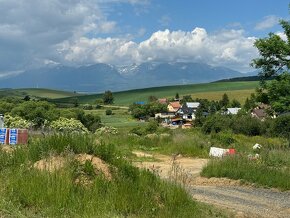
162 101
188 110
260 112
232 111
173 106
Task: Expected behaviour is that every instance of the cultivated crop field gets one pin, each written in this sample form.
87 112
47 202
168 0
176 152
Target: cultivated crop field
36 92
241 91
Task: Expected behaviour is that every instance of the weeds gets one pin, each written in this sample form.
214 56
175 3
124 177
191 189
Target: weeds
254 171
131 192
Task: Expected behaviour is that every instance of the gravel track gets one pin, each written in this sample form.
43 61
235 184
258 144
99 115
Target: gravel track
252 202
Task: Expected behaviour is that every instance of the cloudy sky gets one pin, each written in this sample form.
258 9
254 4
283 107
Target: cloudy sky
35 33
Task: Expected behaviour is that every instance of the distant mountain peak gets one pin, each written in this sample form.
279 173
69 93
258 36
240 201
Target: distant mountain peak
99 77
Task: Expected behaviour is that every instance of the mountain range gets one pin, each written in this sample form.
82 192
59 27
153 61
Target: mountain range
101 77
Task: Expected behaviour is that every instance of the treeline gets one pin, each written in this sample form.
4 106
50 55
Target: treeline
40 114
247 125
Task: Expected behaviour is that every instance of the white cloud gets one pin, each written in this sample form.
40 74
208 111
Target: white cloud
35 33
31 30
227 48
267 22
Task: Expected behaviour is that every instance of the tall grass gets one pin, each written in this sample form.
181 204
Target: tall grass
26 191
254 171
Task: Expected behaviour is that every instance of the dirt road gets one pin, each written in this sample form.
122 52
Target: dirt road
244 201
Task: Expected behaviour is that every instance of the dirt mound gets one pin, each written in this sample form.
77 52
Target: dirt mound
7 148
98 164
57 162
50 164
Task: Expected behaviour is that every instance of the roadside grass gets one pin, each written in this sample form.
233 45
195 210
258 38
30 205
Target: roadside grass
270 169
244 143
26 191
254 171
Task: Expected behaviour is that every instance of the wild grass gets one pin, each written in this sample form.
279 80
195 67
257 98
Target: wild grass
253 171
120 118
27 191
35 92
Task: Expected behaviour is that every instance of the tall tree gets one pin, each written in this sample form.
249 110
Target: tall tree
108 97
274 60
274 53
225 101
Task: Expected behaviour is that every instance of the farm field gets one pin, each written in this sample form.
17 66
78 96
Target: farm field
120 118
238 90
36 92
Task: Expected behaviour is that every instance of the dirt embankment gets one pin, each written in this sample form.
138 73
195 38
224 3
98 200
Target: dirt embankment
243 200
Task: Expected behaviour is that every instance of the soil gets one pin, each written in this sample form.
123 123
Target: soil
57 162
243 200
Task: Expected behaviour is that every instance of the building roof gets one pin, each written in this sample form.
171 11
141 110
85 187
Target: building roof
192 104
162 100
260 113
175 104
233 110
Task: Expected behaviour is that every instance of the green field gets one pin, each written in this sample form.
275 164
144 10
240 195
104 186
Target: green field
120 118
238 90
37 93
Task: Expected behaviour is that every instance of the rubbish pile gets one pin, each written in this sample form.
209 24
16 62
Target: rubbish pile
220 152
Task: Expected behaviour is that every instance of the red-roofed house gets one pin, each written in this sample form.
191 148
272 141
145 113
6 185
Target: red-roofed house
162 100
173 106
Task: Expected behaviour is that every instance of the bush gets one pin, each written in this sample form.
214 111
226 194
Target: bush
16 122
216 123
247 125
88 107
109 112
68 125
281 126
107 130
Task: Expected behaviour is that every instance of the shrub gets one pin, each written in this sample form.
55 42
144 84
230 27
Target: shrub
107 130
88 107
16 122
216 123
281 126
109 112
247 125
68 125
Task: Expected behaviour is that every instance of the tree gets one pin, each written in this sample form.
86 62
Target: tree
279 93
235 103
186 98
225 101
26 98
152 98
274 60
108 97
177 96
274 53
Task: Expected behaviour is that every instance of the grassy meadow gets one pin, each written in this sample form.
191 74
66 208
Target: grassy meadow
120 117
36 93
209 90
75 189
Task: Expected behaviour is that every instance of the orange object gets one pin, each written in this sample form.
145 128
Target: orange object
232 151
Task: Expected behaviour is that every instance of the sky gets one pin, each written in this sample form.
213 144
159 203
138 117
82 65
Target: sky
38 33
